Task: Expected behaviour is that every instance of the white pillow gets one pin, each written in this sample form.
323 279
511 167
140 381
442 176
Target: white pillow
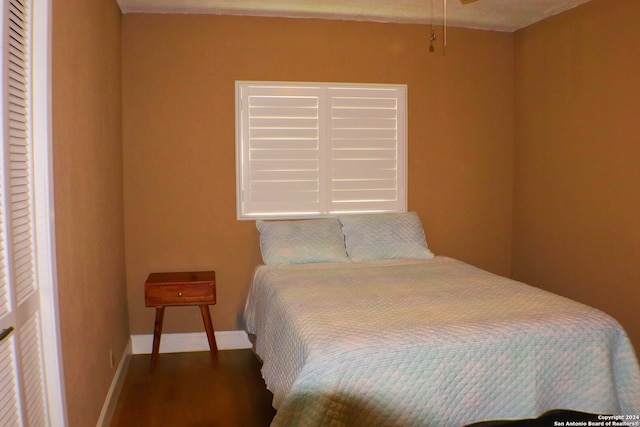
370 237
301 242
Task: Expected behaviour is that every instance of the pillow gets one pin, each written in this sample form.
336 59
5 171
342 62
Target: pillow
301 242
370 237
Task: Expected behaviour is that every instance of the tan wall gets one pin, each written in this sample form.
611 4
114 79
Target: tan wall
179 139
577 157
87 155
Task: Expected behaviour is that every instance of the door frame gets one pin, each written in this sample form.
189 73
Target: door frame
44 213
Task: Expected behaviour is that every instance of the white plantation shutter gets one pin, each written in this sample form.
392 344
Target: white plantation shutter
320 149
366 137
281 149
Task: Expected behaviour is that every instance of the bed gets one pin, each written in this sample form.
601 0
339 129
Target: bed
359 324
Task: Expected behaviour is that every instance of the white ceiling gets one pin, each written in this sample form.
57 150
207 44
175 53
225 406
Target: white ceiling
497 15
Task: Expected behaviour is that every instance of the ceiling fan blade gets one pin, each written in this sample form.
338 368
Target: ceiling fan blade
468 1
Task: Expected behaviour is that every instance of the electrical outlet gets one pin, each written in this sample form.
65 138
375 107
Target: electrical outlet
112 360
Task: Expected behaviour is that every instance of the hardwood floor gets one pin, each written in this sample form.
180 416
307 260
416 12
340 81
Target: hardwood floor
186 391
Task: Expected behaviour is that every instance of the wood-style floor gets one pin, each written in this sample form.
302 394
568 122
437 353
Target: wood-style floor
186 391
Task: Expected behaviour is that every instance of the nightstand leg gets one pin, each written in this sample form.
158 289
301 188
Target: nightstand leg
208 326
157 333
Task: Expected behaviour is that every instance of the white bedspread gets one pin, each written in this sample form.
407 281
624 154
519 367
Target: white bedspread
430 343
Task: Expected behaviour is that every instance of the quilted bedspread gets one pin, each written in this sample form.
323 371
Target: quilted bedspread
430 343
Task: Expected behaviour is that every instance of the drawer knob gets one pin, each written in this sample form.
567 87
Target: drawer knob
179 294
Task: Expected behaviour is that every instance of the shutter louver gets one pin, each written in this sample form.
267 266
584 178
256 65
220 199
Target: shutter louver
283 133
363 138
19 144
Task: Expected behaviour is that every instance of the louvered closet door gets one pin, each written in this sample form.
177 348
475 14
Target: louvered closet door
22 398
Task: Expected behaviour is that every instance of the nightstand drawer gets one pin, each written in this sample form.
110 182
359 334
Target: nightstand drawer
196 293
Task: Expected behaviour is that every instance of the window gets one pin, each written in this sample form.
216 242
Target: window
309 149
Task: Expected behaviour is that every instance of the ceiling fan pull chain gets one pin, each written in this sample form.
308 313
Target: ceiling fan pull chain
444 41
432 38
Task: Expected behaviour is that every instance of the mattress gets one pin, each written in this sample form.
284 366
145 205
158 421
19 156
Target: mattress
430 343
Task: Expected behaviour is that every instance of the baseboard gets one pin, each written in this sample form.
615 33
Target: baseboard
195 341
114 391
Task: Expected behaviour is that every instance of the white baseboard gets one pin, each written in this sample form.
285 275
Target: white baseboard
114 391
195 341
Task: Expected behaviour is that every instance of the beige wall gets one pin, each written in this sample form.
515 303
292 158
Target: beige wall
577 157
88 199
179 139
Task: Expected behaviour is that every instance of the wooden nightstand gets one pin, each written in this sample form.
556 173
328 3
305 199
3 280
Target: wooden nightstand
184 288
